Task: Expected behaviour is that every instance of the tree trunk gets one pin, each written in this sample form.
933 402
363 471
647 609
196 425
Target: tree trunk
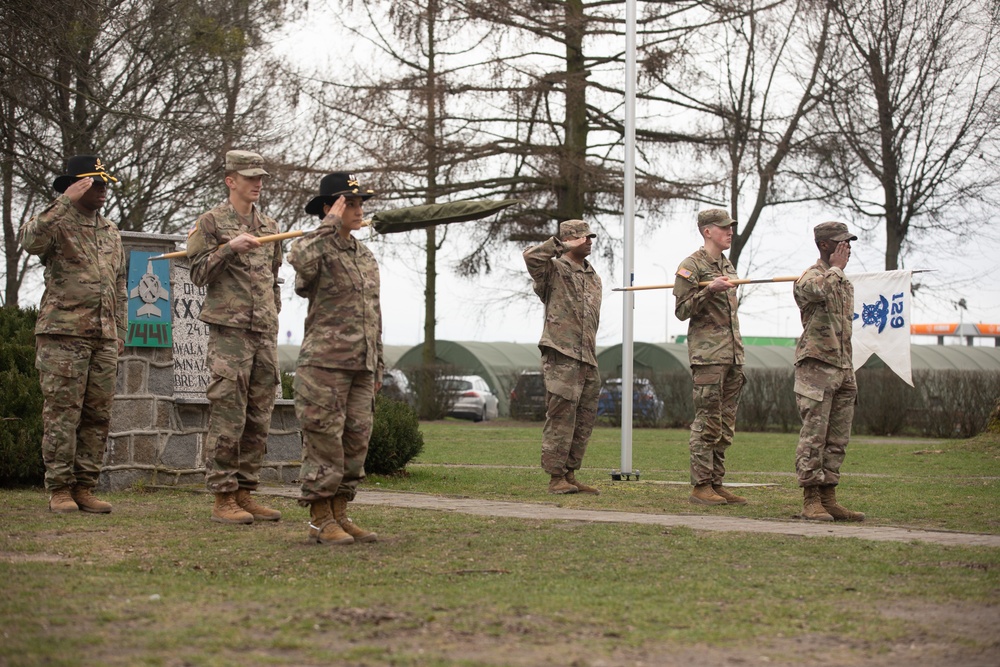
572 167
428 404
12 255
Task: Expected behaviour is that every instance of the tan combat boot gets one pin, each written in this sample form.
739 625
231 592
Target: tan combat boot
828 496
259 512
88 502
731 498
812 506
703 494
559 485
323 527
580 486
227 511
339 504
61 501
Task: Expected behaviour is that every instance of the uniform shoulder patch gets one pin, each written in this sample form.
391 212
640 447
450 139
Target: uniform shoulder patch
193 229
683 273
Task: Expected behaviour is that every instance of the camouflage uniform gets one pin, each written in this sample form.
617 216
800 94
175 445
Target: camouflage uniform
715 351
81 318
241 305
340 360
572 297
825 387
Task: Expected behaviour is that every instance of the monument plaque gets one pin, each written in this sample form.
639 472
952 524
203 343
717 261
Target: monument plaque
191 376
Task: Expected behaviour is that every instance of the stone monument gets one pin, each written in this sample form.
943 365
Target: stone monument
160 413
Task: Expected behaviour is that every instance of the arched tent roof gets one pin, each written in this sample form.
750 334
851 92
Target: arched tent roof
288 356
664 357
948 357
647 357
497 363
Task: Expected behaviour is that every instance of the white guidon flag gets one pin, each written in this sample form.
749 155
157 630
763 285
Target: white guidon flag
882 320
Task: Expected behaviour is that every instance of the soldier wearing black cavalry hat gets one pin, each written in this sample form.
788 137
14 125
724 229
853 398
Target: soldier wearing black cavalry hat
80 330
340 363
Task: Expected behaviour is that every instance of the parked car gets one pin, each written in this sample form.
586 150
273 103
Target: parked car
527 398
396 386
473 398
646 405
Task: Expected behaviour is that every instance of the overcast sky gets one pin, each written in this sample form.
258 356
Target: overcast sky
501 306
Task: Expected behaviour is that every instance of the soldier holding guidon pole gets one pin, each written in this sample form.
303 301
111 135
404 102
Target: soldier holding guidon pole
715 351
241 308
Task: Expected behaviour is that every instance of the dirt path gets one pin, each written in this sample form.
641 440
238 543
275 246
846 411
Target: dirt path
697 522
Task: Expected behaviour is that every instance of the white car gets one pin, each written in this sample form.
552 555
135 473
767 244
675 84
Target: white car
473 398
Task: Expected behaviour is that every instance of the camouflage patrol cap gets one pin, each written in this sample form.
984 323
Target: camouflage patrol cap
715 216
575 228
833 231
245 163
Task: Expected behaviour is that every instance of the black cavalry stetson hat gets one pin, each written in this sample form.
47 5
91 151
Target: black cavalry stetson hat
334 185
79 167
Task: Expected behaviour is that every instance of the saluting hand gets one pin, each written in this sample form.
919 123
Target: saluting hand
573 243
720 284
336 210
77 189
841 255
245 242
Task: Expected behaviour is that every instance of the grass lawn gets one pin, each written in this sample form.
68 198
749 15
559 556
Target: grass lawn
157 583
929 484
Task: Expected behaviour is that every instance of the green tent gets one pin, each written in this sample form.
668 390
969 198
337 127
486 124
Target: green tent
948 357
497 363
654 358
288 356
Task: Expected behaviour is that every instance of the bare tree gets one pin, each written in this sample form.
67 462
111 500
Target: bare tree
739 86
913 114
413 118
159 88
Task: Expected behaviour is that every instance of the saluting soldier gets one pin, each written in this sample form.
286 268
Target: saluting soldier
826 389
571 290
80 330
241 308
340 362
715 352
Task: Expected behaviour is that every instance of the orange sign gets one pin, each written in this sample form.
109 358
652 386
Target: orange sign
933 329
988 329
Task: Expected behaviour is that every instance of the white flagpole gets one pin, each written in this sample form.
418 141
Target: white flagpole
629 237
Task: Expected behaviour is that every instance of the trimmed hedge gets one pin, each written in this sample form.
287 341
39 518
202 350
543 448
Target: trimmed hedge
396 438
20 400
942 404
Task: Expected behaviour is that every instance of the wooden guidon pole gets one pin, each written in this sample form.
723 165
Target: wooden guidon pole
738 281
271 238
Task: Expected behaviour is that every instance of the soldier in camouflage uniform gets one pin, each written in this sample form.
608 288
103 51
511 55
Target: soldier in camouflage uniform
340 362
80 330
825 387
715 351
241 307
571 290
